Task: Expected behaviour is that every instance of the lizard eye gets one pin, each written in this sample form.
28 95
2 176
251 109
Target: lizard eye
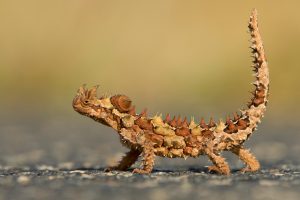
85 102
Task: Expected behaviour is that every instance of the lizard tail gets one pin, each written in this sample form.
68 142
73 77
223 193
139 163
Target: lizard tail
260 66
257 106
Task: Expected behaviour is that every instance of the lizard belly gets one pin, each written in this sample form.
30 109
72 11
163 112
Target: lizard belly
177 153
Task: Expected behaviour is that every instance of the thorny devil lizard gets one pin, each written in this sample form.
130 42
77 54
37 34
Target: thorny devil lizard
150 137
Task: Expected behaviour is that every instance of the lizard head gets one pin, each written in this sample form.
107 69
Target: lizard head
86 102
104 109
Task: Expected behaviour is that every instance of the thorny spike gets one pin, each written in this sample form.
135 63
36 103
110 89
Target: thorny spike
242 124
211 122
192 123
228 120
220 121
132 111
179 122
159 115
86 93
173 122
192 120
235 116
106 95
81 89
249 104
243 112
93 92
202 123
260 93
230 123
168 118
143 113
230 126
185 123
255 83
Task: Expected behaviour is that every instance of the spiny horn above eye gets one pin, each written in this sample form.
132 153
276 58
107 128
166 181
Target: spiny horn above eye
92 93
81 90
121 102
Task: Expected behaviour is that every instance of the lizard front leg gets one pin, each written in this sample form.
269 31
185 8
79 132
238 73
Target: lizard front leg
129 159
148 159
220 165
251 162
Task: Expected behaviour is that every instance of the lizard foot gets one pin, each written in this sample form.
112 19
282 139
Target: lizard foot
248 169
140 171
109 169
217 170
214 169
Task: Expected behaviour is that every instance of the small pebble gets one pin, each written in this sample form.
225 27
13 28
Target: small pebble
66 165
77 172
23 180
87 176
267 183
45 167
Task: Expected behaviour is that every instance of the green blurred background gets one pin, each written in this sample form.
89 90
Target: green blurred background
183 57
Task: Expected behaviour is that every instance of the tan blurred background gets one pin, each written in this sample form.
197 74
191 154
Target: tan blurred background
183 57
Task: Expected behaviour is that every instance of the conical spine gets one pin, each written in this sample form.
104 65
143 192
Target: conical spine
257 106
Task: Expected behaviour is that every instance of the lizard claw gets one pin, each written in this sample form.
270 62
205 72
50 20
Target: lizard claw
214 169
140 171
109 169
217 170
247 169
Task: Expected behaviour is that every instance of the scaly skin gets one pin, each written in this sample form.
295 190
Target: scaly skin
152 136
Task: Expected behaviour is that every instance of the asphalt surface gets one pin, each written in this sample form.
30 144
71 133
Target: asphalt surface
64 159
46 182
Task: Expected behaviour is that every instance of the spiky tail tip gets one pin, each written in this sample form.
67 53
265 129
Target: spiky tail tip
257 105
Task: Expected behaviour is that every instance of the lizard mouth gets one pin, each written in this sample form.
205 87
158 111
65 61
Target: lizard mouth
76 103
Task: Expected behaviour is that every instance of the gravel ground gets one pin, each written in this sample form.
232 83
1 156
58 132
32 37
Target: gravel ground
47 182
64 159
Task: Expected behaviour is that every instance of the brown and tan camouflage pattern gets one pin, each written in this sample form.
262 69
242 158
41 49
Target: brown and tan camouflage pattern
175 137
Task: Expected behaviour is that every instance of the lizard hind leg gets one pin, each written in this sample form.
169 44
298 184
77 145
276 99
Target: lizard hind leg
248 158
148 159
220 165
127 161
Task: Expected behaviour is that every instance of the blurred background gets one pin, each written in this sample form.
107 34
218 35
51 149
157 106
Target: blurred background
188 58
